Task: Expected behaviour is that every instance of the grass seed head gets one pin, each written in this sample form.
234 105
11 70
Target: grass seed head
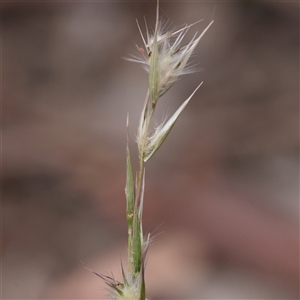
164 56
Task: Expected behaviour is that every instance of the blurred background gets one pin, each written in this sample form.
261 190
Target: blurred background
222 194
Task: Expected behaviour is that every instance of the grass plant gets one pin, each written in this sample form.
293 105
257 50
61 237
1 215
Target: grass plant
165 60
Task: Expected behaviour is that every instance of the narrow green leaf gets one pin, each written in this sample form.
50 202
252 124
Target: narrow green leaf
129 192
136 244
129 189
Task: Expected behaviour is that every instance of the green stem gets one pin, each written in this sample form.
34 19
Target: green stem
135 238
